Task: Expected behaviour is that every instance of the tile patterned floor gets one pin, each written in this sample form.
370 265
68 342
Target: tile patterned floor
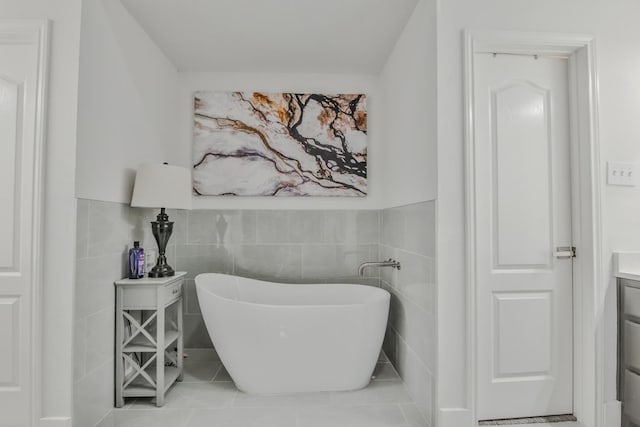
208 398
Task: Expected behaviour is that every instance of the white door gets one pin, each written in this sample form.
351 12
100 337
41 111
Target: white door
20 87
523 214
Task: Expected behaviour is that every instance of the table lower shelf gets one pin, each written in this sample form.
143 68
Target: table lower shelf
140 344
140 387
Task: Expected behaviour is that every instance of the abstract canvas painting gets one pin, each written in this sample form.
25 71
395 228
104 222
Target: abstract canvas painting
279 144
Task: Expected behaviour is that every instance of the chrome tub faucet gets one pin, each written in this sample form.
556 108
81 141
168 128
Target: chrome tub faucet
388 263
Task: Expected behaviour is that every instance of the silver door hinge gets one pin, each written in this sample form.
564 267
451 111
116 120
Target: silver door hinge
565 252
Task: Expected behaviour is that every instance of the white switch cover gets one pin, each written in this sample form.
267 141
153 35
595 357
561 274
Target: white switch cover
621 173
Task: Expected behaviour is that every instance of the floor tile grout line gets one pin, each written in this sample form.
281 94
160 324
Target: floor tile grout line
109 412
215 374
232 402
404 415
188 418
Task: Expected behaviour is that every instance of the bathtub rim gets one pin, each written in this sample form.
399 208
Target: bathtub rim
384 294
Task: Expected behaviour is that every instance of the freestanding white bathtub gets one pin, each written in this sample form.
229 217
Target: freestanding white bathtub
278 338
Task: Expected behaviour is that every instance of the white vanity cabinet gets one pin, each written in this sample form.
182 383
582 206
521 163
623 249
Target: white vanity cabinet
629 351
148 343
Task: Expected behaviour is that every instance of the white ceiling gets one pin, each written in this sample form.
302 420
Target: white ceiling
323 36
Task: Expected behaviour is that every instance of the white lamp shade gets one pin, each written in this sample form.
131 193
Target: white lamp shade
162 186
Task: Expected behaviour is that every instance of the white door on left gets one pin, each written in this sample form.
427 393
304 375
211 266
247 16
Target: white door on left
22 44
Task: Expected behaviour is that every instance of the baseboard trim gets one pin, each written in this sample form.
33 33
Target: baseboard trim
55 422
455 417
613 413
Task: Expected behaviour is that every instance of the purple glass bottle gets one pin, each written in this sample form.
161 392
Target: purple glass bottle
136 261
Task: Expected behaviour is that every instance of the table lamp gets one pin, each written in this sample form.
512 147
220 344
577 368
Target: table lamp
166 187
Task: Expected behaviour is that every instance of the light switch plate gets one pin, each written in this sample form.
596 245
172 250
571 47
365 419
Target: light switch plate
621 173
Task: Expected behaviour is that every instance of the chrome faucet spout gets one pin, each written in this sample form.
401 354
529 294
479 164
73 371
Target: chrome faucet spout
388 263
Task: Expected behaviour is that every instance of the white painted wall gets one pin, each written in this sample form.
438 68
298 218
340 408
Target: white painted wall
60 206
134 106
277 82
127 102
408 90
618 46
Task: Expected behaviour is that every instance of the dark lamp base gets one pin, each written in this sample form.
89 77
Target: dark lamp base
162 271
162 229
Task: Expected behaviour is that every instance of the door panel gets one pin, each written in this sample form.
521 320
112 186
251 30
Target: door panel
10 118
9 360
520 146
515 358
523 212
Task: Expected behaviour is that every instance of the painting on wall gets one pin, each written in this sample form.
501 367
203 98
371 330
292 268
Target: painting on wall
279 144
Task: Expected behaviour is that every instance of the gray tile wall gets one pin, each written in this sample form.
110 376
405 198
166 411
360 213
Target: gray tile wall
408 235
105 232
292 246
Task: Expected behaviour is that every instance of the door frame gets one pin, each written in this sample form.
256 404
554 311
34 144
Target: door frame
588 366
35 32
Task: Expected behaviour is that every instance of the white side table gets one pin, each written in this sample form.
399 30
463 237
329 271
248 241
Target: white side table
144 336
